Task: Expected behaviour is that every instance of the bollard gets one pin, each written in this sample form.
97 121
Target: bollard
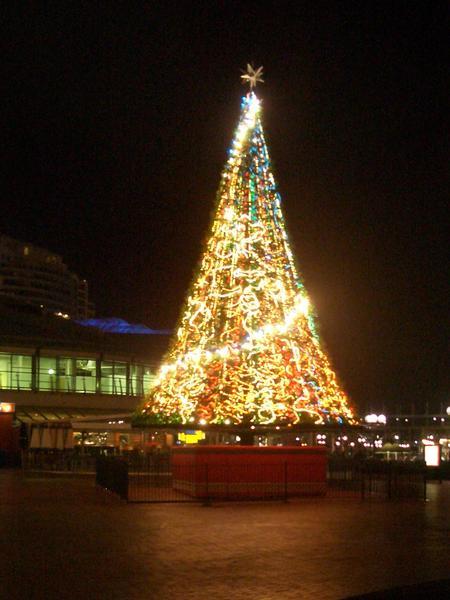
207 499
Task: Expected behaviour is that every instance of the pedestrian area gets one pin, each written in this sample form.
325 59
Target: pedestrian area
62 538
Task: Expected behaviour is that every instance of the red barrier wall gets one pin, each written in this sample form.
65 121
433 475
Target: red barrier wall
9 437
249 471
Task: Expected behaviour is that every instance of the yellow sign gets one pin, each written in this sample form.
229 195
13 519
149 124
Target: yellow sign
191 437
7 407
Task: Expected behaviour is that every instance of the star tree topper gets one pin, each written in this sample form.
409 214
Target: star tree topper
252 77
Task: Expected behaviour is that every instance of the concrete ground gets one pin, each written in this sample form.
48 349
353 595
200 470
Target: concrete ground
63 539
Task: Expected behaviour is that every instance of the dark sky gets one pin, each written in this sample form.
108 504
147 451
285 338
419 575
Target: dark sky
116 119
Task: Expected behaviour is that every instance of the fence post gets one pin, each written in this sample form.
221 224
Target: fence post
97 470
362 473
125 481
285 481
425 484
389 482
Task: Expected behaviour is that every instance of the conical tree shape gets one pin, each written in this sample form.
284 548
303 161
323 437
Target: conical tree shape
246 350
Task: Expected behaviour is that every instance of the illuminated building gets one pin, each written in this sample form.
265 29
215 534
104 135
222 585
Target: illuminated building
33 275
54 369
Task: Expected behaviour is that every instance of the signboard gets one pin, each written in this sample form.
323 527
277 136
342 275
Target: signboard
7 407
191 437
432 455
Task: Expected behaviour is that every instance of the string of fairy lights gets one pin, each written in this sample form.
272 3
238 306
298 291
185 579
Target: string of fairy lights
246 349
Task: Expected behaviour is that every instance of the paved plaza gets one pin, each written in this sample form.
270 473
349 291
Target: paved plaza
62 538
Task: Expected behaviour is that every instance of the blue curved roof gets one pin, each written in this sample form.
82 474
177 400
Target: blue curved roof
114 325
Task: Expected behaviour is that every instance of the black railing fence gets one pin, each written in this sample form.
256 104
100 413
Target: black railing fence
152 477
155 479
51 460
83 459
394 479
112 475
162 482
371 478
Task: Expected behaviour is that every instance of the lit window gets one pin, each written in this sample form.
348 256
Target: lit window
15 371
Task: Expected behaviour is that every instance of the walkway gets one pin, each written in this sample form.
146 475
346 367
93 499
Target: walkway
62 539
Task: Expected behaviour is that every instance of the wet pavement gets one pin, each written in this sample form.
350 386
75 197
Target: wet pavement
63 539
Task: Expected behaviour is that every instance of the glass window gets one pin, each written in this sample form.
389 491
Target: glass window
85 375
114 377
16 372
148 379
120 378
66 374
136 375
5 371
107 371
47 374
21 372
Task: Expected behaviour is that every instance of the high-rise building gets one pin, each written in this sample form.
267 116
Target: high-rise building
35 276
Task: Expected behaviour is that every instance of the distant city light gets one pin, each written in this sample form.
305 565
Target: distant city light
373 418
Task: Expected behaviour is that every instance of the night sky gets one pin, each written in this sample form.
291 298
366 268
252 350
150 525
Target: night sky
116 120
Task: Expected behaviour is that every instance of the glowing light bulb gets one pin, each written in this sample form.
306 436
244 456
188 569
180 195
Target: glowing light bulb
242 343
304 306
228 214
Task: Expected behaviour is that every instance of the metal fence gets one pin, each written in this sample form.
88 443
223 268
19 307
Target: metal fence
151 477
58 461
157 480
112 474
394 480
375 478
344 477
163 482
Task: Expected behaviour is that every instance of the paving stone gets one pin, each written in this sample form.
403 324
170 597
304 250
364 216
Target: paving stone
63 539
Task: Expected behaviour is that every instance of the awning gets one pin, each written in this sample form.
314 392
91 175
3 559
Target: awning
36 415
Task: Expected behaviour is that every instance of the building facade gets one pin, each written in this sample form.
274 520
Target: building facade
53 368
35 276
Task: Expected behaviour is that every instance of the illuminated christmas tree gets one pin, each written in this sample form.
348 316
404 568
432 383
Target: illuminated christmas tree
246 350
